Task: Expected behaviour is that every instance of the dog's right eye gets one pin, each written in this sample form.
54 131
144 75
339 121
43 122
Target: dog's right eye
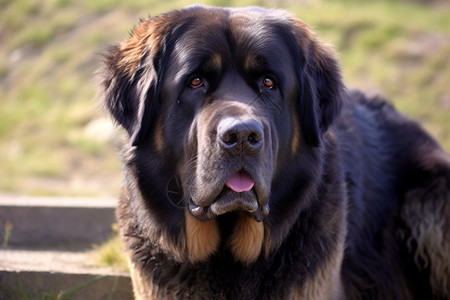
196 82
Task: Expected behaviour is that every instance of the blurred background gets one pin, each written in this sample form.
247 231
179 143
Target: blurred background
55 139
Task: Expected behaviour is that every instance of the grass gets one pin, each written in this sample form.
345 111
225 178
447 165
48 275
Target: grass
110 254
8 227
50 51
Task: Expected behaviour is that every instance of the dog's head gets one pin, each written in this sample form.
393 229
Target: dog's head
226 99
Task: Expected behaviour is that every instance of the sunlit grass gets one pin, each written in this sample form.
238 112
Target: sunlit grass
110 254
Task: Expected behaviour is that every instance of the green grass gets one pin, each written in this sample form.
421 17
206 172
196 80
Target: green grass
110 254
50 50
8 227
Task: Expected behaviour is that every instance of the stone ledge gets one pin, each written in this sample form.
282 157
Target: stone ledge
15 285
38 273
74 223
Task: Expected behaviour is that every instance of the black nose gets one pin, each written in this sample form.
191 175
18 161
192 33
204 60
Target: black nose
240 136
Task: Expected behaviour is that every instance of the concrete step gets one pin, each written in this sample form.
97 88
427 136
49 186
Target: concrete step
59 275
46 249
72 223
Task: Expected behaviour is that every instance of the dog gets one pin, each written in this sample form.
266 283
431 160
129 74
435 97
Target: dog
252 172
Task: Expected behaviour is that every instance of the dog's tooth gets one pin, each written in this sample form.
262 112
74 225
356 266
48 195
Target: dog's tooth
196 210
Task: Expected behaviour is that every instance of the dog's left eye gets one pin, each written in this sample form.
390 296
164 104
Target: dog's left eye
268 82
196 82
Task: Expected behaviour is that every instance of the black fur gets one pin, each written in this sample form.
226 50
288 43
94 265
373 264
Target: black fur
360 173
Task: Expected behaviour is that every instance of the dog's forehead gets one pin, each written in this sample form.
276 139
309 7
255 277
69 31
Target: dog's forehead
217 36
246 19
260 15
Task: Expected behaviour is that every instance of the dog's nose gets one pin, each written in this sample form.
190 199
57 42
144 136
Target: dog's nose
240 136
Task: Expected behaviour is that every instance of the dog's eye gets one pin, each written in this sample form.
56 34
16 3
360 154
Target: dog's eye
268 82
196 82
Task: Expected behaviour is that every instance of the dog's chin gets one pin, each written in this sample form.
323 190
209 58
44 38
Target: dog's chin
230 201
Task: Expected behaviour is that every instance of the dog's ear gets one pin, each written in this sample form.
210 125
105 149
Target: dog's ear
128 80
321 90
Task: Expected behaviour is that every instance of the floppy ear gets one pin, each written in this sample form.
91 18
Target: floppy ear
128 80
319 78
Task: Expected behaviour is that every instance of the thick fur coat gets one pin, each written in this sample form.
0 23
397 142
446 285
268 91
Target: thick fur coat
251 172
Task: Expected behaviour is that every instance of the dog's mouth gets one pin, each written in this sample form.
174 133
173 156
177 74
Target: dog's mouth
240 182
239 194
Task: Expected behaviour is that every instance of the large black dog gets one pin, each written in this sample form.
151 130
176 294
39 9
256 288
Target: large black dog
252 173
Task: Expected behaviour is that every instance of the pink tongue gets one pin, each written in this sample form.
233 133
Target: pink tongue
240 182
